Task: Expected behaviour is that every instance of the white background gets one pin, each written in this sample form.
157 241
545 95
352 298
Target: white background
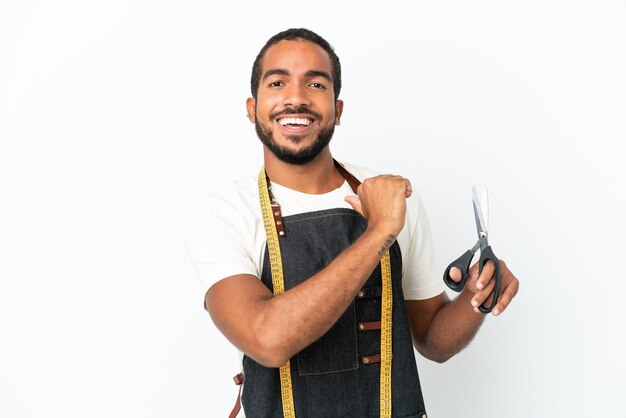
117 117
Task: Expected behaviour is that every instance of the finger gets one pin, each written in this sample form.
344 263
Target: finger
455 274
483 296
355 202
486 275
472 277
506 297
409 189
473 272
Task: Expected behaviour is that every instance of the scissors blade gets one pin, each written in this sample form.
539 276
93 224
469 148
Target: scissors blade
484 202
481 226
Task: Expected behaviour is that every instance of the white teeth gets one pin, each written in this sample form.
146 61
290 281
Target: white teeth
294 121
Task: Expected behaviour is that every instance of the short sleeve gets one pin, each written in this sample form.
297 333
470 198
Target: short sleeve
419 280
215 244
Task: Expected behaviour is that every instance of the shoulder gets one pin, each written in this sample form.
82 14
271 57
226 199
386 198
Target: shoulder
361 173
233 205
238 196
238 191
222 233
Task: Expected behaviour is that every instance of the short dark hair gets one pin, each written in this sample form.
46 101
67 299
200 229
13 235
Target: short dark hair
297 34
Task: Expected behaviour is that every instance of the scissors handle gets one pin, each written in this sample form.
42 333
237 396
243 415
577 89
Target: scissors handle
463 264
487 254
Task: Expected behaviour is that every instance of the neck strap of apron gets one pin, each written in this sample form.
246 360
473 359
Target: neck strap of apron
276 212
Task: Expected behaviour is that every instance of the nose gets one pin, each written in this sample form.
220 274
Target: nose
296 96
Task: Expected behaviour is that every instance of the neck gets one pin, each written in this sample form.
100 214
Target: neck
316 177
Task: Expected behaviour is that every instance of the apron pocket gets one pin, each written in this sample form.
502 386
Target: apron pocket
335 351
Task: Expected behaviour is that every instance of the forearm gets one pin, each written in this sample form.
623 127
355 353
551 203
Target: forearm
452 328
289 322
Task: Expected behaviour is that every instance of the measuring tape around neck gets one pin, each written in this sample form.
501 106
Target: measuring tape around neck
278 284
271 211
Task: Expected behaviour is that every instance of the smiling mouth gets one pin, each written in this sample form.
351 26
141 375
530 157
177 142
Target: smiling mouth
294 122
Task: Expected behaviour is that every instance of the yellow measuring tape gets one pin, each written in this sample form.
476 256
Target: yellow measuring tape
279 287
385 338
278 283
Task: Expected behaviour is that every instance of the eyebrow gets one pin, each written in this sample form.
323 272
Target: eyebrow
317 73
308 74
275 71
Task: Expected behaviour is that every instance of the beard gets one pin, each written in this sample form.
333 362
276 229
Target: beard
284 154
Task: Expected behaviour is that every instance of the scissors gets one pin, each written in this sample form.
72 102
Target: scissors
486 254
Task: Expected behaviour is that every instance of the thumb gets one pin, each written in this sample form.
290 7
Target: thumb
455 274
355 202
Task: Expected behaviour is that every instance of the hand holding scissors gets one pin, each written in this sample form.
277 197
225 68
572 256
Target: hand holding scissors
486 254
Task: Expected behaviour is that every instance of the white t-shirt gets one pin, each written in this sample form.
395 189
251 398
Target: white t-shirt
226 235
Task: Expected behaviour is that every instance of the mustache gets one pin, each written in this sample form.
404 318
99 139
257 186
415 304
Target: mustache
295 111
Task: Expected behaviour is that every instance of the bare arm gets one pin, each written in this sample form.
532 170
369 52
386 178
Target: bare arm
441 328
271 329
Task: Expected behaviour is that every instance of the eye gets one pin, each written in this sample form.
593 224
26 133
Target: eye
317 85
276 84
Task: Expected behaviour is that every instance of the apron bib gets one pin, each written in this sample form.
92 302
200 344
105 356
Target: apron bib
339 374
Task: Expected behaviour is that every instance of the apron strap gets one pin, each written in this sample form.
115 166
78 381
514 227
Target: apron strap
352 181
238 381
276 212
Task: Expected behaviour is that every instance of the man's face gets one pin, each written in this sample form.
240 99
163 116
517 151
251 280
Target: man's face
295 111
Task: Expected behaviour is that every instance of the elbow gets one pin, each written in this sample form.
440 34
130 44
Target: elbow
267 358
267 344
434 354
272 362
440 358
269 352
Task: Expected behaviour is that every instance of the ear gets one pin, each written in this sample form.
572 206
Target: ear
338 111
250 107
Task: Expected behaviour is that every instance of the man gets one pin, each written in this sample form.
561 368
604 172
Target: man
330 330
